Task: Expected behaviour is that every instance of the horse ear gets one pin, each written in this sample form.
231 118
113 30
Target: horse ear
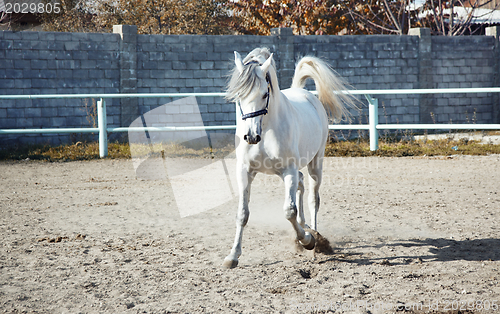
238 62
266 64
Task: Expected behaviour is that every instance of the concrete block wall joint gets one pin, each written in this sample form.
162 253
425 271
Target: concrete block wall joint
494 31
425 77
129 107
284 41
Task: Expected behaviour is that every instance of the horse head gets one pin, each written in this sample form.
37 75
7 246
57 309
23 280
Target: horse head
251 87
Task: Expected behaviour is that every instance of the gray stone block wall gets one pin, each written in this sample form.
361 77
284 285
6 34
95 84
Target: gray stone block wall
187 64
34 63
371 62
463 62
410 62
124 62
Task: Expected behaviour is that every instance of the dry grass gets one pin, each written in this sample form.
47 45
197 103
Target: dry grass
77 151
389 148
352 148
176 150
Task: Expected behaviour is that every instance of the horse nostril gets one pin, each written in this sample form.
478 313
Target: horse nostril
245 137
257 138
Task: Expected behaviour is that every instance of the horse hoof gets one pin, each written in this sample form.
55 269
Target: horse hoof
229 263
311 243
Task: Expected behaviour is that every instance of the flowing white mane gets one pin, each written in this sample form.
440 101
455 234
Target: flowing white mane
242 84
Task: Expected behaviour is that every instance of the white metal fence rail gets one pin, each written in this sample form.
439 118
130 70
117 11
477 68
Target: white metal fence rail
373 126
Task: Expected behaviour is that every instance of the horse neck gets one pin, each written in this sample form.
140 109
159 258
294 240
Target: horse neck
276 101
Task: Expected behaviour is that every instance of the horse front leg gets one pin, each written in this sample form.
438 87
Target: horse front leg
244 179
291 180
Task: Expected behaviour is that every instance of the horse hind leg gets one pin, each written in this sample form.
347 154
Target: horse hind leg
300 201
291 179
315 169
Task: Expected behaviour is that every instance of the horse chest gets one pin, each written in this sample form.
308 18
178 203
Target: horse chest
272 161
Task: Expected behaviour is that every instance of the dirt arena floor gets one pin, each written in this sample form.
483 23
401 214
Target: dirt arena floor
409 235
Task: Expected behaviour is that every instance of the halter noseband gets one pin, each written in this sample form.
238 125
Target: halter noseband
258 112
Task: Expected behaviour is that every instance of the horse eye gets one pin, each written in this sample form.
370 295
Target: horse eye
265 96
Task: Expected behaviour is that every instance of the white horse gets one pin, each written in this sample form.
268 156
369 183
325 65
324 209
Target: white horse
280 132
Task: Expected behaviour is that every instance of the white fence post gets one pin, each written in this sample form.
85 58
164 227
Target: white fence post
373 122
103 133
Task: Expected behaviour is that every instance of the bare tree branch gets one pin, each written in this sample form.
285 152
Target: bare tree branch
394 21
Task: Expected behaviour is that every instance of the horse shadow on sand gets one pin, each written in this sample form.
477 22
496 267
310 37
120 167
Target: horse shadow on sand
438 250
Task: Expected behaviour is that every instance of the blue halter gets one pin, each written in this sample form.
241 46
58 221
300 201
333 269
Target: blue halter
262 111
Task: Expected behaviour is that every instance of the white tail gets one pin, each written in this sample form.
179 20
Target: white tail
328 84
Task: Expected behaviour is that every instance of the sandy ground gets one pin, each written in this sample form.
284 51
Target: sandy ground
89 237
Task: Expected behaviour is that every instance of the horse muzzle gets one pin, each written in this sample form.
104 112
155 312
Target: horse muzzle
252 139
